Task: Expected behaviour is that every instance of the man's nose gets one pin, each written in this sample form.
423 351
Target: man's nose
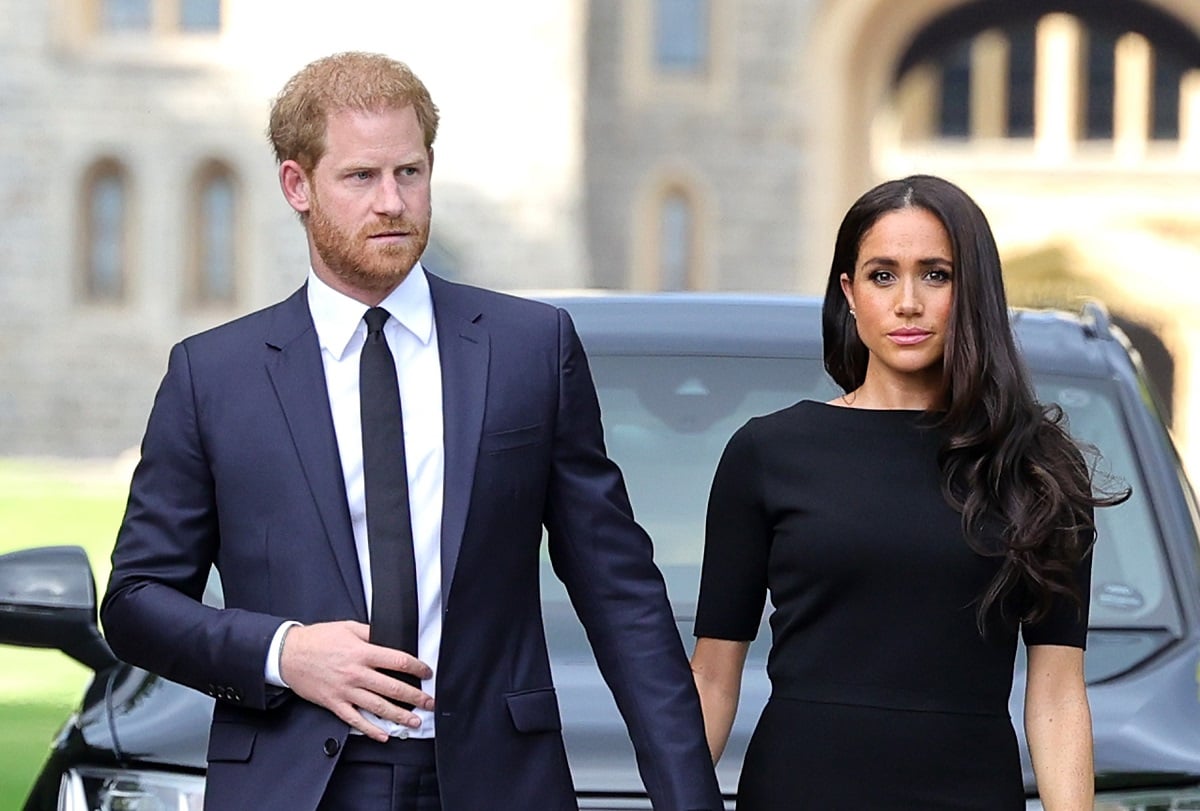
388 199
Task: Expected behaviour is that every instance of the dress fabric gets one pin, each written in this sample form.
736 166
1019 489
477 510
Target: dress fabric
884 693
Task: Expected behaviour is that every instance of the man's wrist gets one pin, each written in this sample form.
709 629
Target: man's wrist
272 671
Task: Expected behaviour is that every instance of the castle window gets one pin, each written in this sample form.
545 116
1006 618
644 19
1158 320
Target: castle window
1112 72
675 252
681 35
105 232
157 16
214 223
126 15
200 15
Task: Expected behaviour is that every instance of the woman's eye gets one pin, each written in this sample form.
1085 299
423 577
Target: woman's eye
880 276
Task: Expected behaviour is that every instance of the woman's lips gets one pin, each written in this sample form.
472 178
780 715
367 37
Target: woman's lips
907 337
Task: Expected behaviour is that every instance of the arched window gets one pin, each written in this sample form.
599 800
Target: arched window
672 222
676 253
1110 71
105 231
214 248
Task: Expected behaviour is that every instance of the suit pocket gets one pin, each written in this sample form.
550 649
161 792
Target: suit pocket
497 441
231 742
534 710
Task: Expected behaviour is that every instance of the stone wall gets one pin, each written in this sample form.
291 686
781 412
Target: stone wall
77 377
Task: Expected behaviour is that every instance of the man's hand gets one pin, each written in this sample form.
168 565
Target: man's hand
334 665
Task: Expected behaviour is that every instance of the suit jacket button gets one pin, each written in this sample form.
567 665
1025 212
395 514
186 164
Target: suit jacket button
331 746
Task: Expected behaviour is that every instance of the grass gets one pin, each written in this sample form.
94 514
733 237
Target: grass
46 503
26 728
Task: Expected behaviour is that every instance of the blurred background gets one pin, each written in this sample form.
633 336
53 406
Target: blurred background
621 144
644 144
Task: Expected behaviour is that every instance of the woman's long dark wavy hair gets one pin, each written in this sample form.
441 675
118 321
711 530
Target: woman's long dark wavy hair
1007 458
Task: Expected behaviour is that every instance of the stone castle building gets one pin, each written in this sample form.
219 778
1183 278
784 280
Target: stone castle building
644 144
138 196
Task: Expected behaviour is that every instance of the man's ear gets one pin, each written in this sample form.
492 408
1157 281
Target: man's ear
294 182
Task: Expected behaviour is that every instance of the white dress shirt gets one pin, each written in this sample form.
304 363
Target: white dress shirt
412 337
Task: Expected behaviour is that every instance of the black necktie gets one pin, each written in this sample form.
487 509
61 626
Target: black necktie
385 487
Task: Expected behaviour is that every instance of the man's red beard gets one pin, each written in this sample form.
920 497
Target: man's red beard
360 262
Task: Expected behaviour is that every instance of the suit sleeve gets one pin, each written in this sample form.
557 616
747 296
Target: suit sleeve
606 562
165 549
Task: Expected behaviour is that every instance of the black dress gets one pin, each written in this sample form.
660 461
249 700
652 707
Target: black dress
884 694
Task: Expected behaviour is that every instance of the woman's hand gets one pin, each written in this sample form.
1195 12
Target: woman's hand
717 667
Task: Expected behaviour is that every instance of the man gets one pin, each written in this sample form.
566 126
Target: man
261 450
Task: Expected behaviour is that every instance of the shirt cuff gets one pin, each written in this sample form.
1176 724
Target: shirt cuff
271 670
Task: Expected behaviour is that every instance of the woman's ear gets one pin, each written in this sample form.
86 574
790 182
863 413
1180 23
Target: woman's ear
848 291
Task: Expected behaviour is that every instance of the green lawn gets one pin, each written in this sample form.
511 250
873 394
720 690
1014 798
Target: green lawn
45 503
26 728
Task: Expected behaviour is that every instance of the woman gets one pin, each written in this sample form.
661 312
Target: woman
907 532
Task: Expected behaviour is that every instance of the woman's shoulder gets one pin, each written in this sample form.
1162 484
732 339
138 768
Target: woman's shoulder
819 426
821 417
797 415
805 420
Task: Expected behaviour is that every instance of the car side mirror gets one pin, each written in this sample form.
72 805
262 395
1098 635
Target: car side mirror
48 600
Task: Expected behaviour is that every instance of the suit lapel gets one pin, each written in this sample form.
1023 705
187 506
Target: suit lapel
464 351
294 365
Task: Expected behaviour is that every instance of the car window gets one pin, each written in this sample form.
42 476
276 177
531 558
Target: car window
1131 587
666 422
667 419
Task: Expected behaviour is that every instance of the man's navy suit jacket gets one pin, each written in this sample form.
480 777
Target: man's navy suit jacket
240 469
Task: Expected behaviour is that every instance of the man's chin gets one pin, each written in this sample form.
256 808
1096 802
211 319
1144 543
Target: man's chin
379 279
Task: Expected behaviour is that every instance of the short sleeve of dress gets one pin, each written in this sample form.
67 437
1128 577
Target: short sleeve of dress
1067 622
737 539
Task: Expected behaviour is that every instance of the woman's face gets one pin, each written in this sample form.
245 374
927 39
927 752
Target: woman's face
901 296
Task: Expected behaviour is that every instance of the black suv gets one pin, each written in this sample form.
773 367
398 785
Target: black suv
677 374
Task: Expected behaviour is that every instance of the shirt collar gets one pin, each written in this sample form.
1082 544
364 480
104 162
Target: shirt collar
338 318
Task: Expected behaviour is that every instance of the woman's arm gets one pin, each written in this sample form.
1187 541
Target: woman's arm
1058 726
717 667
